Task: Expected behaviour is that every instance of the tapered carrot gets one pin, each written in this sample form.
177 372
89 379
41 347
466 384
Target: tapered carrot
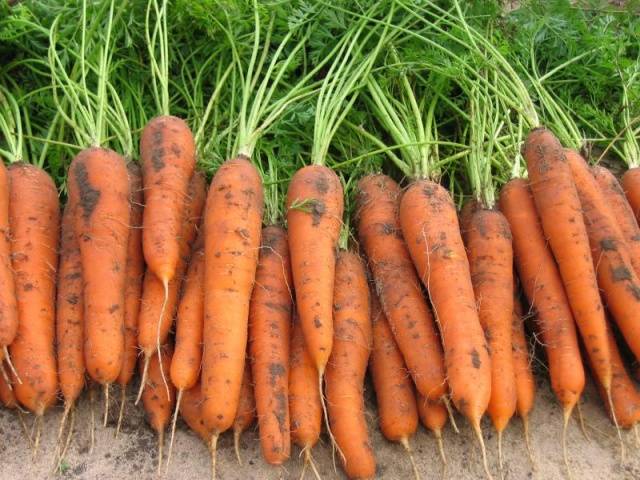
269 339
347 366
34 220
157 403
558 205
157 312
620 208
133 286
616 276
246 413
305 407
491 264
430 228
631 186
233 220
395 396
433 416
314 215
8 303
397 283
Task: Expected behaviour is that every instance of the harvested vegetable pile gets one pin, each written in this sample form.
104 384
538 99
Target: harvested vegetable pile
253 205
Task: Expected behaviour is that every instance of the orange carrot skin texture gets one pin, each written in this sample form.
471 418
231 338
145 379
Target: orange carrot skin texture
558 204
631 186
314 215
525 383
233 221
185 366
430 227
491 264
70 310
433 415
348 365
135 274
269 338
395 396
152 288
398 285
620 208
191 412
167 151
7 397
156 403
543 287
8 303
466 213
246 413
305 408
34 218
616 276
99 185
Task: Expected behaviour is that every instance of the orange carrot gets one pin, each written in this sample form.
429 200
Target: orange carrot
246 413
465 215
8 304
233 220
314 215
433 416
558 205
269 338
631 186
191 412
347 366
397 284
430 227
7 396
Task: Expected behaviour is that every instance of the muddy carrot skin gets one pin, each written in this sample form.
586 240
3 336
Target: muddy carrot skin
246 413
397 283
34 218
631 186
525 382
8 303
269 339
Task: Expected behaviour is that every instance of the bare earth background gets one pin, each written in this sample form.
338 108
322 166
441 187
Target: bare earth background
134 453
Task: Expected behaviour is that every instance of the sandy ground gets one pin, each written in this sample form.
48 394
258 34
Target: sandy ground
133 453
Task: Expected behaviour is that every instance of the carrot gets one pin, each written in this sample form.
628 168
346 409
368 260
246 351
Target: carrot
314 214
542 284
397 284
525 383
133 286
465 215
558 205
631 186
305 407
157 403
70 316
395 397
434 415
269 338
99 185
156 311
246 413
430 228
8 303
620 208
491 265
187 357
347 366
35 222
616 276
7 395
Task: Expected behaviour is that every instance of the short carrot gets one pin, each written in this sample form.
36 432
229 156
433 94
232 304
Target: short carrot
246 413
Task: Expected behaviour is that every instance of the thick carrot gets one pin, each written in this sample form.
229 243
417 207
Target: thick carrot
395 396
269 338
631 186
543 287
8 303
233 220
35 223
433 416
133 285
314 215
491 265
348 365
246 413
620 208
157 313
156 401
558 205
398 285
430 227
167 152
99 185
616 276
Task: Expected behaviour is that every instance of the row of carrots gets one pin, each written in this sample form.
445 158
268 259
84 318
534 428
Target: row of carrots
569 230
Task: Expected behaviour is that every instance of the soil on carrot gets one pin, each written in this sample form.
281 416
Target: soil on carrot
133 453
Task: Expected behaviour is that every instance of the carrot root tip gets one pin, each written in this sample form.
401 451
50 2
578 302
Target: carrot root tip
213 446
617 425
106 404
447 405
483 450
143 378
405 443
236 444
7 358
583 426
565 455
527 441
173 427
123 401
